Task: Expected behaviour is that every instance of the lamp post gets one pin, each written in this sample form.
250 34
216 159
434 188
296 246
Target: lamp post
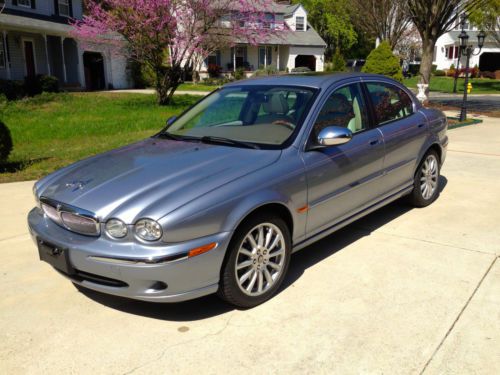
468 51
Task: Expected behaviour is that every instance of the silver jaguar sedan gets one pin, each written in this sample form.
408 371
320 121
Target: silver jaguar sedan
220 199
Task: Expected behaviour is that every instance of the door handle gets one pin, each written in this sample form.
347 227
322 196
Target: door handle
420 125
373 142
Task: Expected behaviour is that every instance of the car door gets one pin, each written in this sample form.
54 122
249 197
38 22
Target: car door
404 131
342 179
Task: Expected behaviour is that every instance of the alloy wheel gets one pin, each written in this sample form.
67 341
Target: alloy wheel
429 177
260 259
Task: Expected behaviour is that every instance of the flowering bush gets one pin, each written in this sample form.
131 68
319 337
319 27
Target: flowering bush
214 70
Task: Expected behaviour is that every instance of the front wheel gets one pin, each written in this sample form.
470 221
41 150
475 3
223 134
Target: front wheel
258 259
426 183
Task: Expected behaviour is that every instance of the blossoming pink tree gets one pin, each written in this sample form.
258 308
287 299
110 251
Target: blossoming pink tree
166 35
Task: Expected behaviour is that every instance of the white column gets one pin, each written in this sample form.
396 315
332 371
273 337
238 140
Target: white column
49 72
265 57
81 69
278 59
63 60
110 67
7 60
234 59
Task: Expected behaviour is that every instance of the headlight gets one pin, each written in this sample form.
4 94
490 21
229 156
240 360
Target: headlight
116 228
148 230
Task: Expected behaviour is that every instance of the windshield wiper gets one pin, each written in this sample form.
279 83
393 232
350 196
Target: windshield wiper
176 137
169 136
228 141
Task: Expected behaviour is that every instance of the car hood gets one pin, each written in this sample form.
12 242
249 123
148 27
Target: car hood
150 178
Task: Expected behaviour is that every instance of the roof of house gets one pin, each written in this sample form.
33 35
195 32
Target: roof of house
286 9
288 37
35 24
309 37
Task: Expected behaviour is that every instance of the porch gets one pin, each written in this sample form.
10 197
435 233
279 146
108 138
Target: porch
251 58
30 46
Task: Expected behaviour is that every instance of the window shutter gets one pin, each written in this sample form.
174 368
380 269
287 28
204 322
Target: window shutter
245 57
70 4
218 57
14 2
56 7
33 4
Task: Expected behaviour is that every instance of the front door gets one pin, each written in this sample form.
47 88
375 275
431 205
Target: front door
343 179
29 58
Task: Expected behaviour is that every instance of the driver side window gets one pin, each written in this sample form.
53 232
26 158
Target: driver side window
345 108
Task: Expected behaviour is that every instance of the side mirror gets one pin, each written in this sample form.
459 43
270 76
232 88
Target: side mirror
334 136
171 120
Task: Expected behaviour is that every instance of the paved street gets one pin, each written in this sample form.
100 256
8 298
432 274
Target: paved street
403 291
476 102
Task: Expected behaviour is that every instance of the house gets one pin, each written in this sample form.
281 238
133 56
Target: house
447 49
298 45
35 38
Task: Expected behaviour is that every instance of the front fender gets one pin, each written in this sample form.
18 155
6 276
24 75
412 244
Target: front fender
223 209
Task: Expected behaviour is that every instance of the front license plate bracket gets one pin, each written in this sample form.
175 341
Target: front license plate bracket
56 256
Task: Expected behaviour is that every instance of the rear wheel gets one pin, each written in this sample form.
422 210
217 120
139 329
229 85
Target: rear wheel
258 259
426 183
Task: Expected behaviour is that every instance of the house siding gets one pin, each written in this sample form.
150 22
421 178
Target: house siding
17 67
43 7
47 8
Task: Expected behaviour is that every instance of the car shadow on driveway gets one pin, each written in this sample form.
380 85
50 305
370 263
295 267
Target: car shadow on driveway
209 306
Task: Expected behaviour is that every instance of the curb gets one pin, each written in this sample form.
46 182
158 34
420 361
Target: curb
463 123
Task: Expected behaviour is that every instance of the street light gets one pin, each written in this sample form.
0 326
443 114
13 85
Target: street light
468 51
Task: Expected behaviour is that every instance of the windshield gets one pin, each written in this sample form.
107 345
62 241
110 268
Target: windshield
264 115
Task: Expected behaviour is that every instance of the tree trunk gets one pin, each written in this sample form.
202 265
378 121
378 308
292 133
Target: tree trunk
168 80
426 63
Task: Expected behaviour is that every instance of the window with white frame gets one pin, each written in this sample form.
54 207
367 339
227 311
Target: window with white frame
63 7
299 24
2 53
24 3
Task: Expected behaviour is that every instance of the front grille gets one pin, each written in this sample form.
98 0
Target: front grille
71 218
52 213
79 224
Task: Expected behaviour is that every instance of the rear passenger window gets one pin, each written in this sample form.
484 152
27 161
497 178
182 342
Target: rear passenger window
390 102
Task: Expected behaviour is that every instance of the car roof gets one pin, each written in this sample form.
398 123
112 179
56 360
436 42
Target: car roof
316 80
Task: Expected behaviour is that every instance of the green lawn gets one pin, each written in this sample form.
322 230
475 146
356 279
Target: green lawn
54 130
197 87
445 84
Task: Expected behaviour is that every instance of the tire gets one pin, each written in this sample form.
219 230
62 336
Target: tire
426 181
250 274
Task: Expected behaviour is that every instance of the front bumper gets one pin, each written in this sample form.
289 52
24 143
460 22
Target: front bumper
115 267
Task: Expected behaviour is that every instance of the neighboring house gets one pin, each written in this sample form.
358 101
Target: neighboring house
298 45
35 38
447 49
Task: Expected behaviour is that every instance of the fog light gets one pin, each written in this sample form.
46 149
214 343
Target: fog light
148 230
116 228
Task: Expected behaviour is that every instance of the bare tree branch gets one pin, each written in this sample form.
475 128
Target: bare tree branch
384 19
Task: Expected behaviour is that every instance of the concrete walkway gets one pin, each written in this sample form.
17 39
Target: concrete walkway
152 91
403 291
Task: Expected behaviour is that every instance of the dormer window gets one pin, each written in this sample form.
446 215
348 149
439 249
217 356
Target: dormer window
24 3
300 24
63 8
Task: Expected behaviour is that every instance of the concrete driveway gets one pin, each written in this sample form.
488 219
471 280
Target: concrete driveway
403 291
